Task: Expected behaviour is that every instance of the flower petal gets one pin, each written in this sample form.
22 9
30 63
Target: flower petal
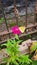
16 30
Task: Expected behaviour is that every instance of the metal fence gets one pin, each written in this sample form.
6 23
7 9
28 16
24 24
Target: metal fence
8 19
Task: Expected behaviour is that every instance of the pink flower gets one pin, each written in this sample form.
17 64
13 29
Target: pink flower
16 30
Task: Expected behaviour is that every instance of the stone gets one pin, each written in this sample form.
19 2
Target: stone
27 42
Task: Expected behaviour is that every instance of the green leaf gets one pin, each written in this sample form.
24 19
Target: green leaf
3 45
19 41
25 59
7 63
12 41
12 48
16 36
16 63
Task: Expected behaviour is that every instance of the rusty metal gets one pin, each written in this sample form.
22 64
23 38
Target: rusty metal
26 13
35 12
3 12
15 11
27 27
14 3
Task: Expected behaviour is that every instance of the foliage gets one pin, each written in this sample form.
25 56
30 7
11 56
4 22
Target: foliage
24 59
34 62
13 51
12 48
34 47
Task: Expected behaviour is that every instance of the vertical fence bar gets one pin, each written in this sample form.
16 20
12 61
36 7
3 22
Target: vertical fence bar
35 13
2 7
16 16
26 12
14 3
34 16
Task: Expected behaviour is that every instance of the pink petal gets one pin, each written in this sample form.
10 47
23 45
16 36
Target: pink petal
16 30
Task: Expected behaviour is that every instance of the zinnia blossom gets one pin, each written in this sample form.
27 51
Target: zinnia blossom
16 30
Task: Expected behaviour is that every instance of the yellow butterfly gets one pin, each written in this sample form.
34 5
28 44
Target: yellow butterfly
22 29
